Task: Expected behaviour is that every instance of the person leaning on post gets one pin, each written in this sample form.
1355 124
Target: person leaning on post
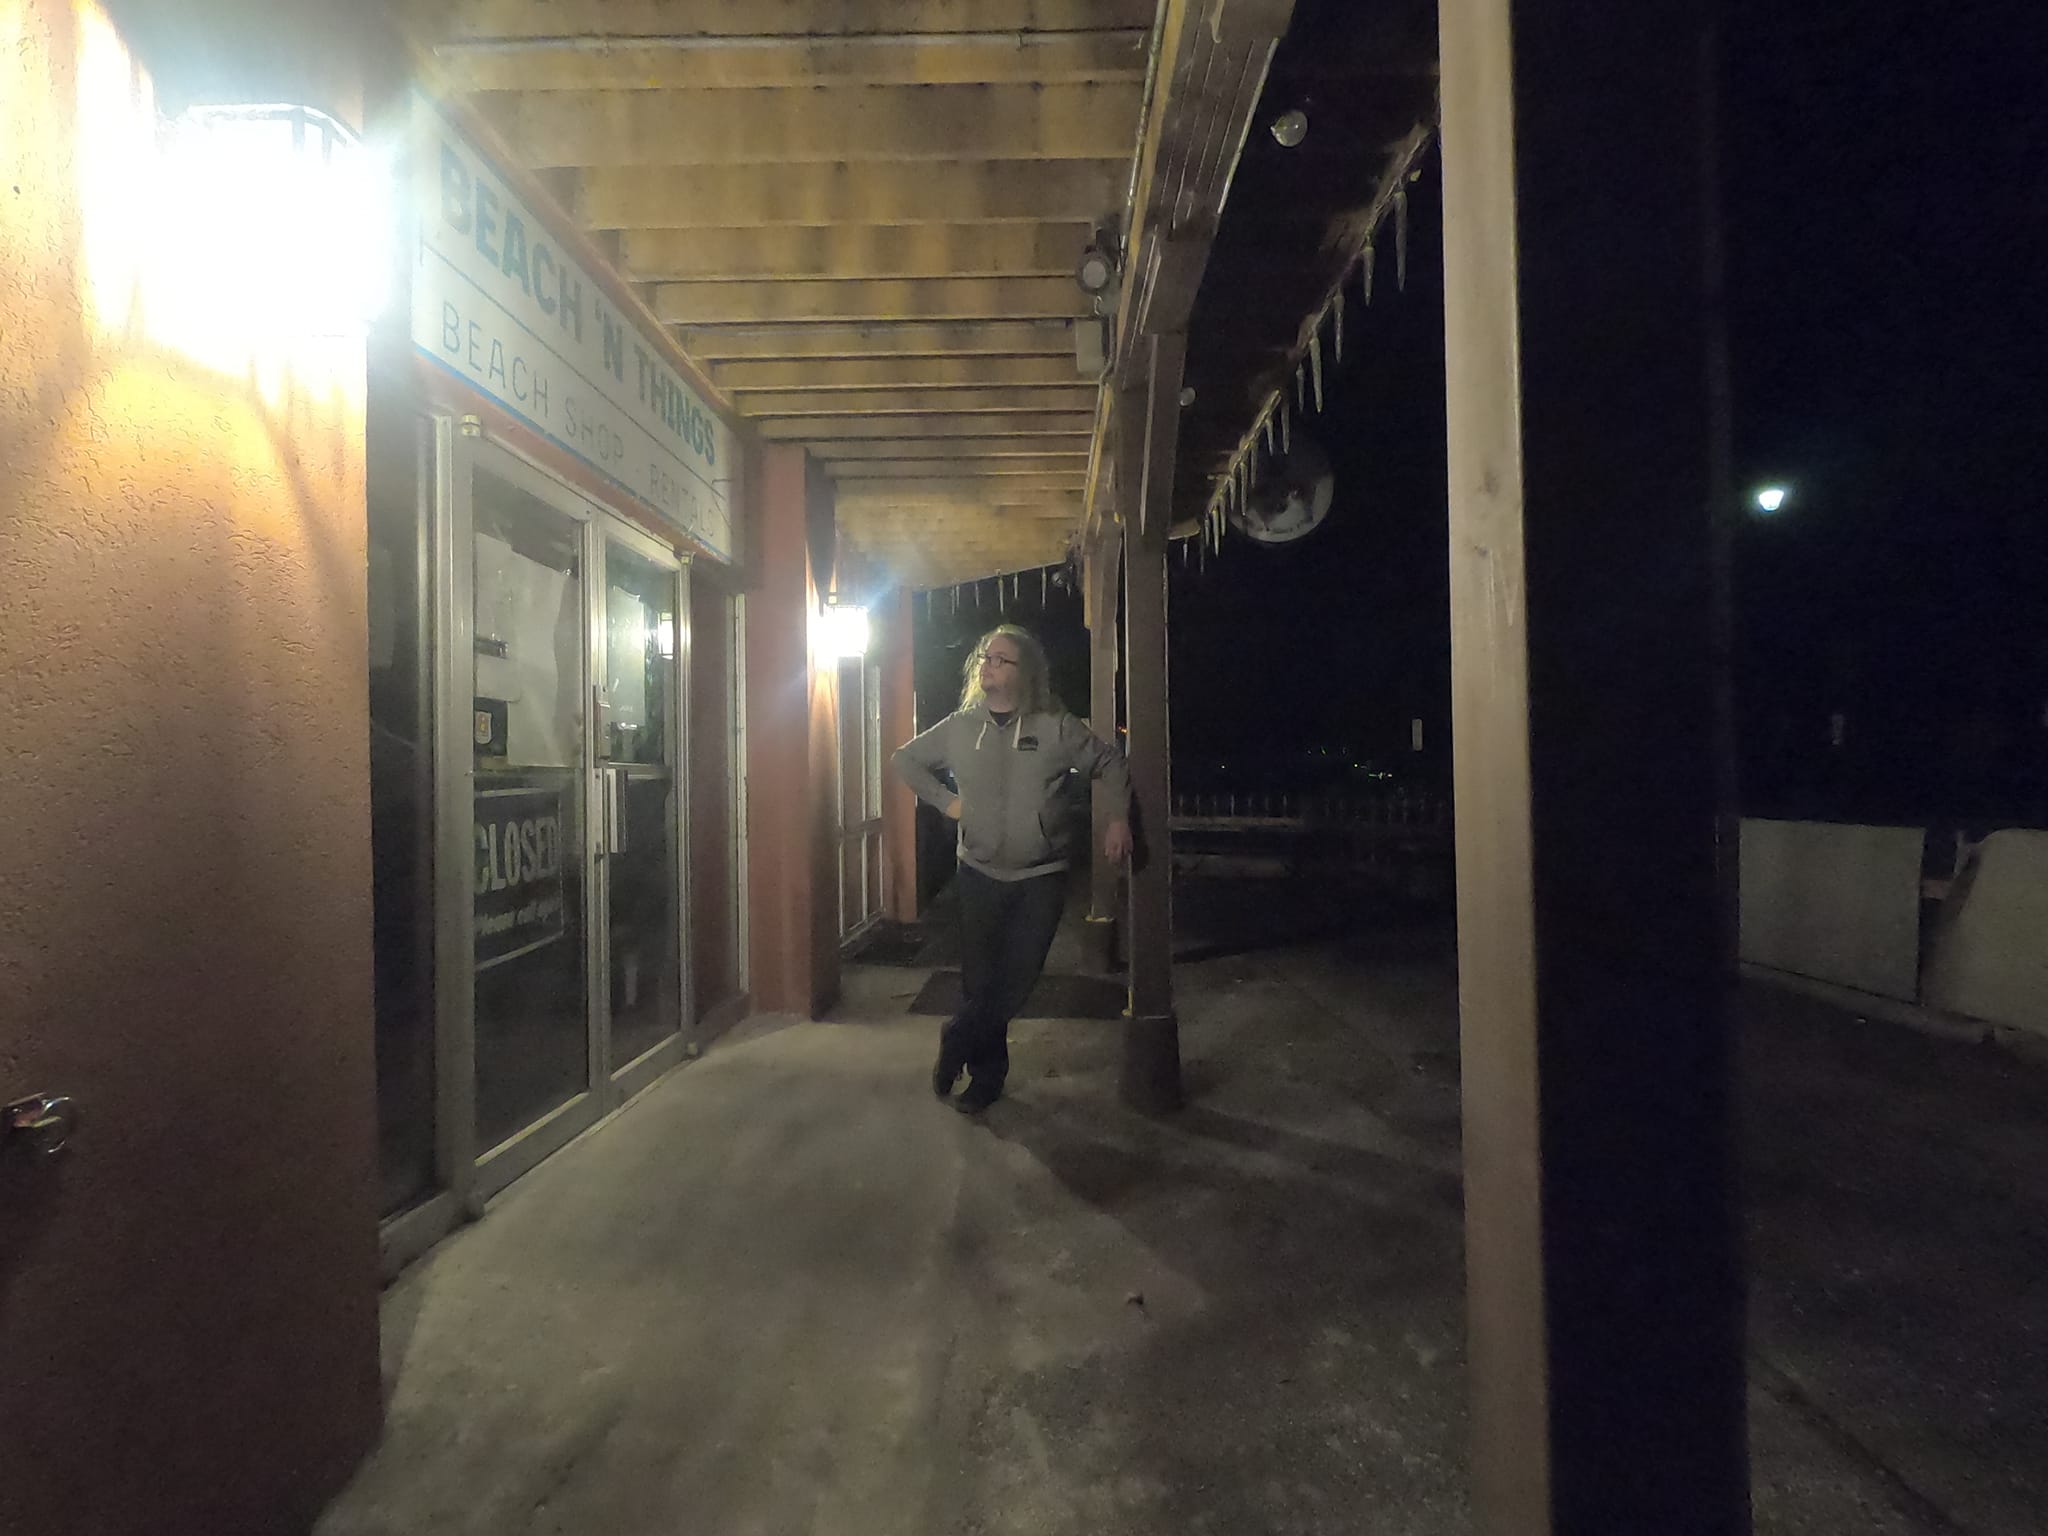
1009 747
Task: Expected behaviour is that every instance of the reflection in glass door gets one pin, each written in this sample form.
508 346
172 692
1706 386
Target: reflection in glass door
532 1018
639 724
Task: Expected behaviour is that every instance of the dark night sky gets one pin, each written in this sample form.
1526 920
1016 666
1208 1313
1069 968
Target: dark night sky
1886 198
1885 194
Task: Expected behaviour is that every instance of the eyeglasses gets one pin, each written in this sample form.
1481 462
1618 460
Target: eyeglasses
992 659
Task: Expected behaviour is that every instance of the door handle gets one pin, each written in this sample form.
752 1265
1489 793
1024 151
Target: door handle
40 1125
615 810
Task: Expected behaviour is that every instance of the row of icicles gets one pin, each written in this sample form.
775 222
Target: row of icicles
1009 588
1273 429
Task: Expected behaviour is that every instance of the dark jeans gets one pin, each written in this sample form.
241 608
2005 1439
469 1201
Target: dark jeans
1006 928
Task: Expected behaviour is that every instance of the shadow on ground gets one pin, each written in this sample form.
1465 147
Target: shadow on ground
786 1292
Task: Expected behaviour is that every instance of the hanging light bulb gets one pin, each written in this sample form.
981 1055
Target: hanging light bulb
1289 128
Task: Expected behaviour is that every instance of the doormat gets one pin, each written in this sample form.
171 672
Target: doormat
1055 997
890 943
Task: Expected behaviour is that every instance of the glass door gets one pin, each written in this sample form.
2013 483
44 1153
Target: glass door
533 1029
560 851
638 642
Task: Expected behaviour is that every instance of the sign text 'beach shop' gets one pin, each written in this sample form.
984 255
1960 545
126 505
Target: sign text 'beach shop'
497 302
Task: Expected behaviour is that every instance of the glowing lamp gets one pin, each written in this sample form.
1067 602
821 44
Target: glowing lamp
280 220
846 630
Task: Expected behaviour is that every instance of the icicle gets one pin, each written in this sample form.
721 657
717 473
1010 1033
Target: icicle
1401 241
1315 365
1366 263
1271 428
1300 387
1337 329
1286 432
1044 585
1002 597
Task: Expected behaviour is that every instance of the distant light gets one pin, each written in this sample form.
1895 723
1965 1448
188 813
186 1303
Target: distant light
1771 498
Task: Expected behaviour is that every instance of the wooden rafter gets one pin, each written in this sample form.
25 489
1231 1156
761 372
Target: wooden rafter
1008 338
952 298
964 191
856 251
896 373
828 125
863 220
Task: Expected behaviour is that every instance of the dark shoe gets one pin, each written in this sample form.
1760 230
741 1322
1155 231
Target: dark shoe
944 1076
976 1099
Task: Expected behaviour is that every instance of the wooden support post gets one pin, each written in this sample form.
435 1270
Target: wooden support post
1151 1064
1603 1278
1102 567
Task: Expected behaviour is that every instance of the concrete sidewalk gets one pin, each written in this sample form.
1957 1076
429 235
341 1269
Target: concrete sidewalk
786 1292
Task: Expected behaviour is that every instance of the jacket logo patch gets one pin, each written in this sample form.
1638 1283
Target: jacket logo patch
1027 743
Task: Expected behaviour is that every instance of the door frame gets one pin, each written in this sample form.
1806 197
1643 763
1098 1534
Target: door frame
628 1079
468 1176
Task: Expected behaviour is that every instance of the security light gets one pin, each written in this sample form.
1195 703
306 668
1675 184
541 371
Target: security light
1096 271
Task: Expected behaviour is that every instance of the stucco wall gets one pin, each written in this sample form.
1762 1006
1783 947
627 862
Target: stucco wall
188 1303
1839 904
1990 954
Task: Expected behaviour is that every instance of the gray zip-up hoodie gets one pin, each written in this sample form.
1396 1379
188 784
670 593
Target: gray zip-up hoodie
1010 777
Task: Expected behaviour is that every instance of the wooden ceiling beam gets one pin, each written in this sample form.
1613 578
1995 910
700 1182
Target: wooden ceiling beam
898 372
955 298
872 192
733 63
1008 338
1009 490
1065 466
855 250
912 402
819 430
622 19
827 124
941 449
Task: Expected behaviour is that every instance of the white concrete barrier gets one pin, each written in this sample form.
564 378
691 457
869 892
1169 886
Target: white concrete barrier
1990 955
1839 904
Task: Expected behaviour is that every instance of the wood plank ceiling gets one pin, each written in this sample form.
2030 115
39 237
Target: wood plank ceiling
862 217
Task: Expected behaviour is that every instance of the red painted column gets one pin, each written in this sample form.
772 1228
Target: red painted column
895 635
780 793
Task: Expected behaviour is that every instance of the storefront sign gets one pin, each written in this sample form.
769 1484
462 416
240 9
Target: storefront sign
519 852
499 304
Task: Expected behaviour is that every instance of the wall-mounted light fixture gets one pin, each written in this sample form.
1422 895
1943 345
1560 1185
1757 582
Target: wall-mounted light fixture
1097 272
845 632
282 221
